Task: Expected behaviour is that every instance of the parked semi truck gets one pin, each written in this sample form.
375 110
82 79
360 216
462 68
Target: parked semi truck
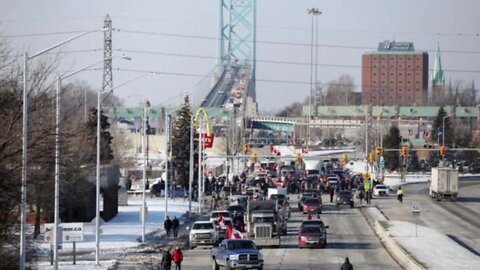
444 184
264 224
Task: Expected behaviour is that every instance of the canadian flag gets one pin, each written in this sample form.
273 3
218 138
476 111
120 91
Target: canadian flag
233 233
221 221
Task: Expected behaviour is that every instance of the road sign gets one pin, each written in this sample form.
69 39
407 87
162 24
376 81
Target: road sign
381 164
71 232
416 209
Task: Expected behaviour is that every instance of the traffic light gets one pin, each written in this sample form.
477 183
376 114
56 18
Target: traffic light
443 149
245 149
371 157
298 159
404 150
378 151
254 157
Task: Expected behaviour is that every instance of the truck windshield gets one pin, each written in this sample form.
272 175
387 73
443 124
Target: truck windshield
233 245
263 220
202 226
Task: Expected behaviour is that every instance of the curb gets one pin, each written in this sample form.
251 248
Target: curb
405 260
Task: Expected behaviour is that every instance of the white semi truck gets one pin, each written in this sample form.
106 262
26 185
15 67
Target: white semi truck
444 184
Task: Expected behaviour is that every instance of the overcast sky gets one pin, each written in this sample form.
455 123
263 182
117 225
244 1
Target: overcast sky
348 27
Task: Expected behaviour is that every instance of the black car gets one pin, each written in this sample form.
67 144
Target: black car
344 197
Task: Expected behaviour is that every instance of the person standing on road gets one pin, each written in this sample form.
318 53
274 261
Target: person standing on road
177 257
175 226
166 260
400 194
347 265
167 224
332 192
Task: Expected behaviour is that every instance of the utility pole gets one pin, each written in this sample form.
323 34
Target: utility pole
313 86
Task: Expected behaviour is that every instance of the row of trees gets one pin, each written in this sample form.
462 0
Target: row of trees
78 148
341 92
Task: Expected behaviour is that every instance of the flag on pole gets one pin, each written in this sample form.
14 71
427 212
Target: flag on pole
221 221
233 233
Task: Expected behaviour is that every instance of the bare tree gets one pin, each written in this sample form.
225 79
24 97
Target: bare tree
340 91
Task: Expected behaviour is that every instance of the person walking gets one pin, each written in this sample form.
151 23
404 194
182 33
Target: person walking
400 194
166 260
175 226
347 265
177 257
167 224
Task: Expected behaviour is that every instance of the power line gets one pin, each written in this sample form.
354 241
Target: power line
257 79
333 46
61 52
44 34
272 61
457 34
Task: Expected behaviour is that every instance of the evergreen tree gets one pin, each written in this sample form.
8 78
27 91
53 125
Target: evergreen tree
181 144
392 140
437 128
414 165
106 151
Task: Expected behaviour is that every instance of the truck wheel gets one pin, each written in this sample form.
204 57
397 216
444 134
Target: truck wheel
260 268
215 265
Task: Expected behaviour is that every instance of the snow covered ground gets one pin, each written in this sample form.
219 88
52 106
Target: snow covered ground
122 232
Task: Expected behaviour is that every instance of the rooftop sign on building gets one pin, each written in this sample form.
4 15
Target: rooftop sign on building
395 46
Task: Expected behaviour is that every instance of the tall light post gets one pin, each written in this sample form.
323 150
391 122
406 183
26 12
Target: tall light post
200 147
23 200
167 153
97 215
144 154
314 12
57 159
190 174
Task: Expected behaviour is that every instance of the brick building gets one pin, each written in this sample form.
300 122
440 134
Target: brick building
396 74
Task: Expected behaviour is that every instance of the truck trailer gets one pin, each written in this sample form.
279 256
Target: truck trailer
444 184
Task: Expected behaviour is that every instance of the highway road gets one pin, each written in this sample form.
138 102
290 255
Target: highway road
459 220
349 235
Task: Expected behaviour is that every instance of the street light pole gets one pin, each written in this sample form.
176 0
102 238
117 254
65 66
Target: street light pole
314 12
97 207
144 154
199 186
57 220
190 171
167 152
